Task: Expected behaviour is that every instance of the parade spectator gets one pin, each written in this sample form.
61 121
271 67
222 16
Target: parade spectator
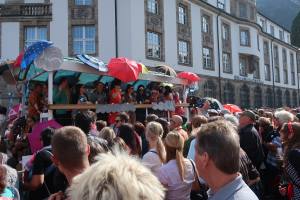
189 145
217 160
3 121
97 146
40 184
7 193
176 123
129 97
204 109
151 118
86 121
98 95
290 136
100 124
70 154
115 97
116 176
156 155
61 95
249 138
177 175
35 102
165 124
109 135
80 96
140 129
121 118
140 98
127 133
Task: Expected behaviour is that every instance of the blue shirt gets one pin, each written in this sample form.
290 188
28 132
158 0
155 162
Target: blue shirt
235 190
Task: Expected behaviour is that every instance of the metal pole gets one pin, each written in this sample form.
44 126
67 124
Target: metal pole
50 94
272 62
116 28
219 59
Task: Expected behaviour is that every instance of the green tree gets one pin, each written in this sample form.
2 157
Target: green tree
295 37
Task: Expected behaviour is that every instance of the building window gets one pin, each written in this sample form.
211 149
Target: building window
272 30
288 39
269 97
276 74
227 63
244 37
183 52
207 58
229 93
205 23
245 96
295 99
266 49
287 98
284 57
281 36
221 4
256 73
225 32
243 66
210 89
243 10
153 45
263 25
257 97
285 76
276 58
267 72
83 2
34 33
182 14
292 64
152 6
84 40
278 98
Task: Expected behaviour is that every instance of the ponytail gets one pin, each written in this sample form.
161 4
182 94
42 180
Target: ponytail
180 164
161 150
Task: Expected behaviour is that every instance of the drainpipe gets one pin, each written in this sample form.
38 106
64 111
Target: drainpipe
298 63
219 59
272 62
116 29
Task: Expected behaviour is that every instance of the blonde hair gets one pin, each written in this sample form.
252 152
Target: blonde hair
174 147
154 131
116 176
108 134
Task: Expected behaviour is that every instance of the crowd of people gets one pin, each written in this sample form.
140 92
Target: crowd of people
215 155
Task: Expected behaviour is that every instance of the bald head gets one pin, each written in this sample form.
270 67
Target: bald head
175 121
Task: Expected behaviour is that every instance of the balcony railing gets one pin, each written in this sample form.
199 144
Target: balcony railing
26 10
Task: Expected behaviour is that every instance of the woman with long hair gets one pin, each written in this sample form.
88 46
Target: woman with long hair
156 155
290 136
178 174
127 133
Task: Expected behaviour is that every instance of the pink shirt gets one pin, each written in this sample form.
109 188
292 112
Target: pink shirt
169 176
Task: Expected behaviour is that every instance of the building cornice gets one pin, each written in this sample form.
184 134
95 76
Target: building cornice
241 21
273 22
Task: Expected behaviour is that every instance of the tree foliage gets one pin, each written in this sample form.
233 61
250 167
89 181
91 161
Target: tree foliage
295 36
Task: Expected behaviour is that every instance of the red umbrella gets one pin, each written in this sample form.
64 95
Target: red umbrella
18 60
232 108
124 69
191 77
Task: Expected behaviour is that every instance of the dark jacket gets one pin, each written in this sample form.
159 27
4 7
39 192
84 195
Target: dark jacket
251 144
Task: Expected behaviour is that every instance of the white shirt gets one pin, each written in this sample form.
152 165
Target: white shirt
191 153
152 161
169 176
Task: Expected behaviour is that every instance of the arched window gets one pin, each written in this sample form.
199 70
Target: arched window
228 95
257 97
244 96
210 89
278 98
294 100
287 98
269 98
